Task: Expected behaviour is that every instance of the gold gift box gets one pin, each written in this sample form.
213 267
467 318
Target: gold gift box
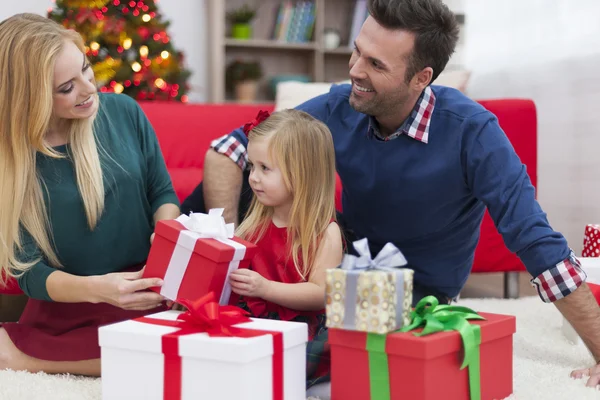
377 302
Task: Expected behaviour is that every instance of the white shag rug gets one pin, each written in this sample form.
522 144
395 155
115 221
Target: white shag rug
543 359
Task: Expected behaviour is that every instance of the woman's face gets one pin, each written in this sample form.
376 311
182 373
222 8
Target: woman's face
73 87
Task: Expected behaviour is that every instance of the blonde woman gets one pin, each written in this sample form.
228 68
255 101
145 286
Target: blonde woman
82 183
292 221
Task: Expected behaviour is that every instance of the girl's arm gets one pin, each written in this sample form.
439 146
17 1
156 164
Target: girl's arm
305 296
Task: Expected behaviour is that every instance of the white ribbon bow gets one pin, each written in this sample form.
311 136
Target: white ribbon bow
211 225
389 257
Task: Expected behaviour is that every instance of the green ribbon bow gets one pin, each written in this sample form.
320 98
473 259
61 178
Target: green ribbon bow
441 318
435 318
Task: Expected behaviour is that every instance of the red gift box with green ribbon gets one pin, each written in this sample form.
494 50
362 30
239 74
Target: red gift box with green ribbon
448 352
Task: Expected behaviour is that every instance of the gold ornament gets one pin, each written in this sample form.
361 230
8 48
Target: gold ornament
105 70
85 3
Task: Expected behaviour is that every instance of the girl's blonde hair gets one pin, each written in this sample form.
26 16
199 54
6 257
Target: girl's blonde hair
302 148
29 46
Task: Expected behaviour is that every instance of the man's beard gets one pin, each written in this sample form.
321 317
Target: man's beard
380 104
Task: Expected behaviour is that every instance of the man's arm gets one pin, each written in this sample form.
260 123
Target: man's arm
497 176
582 312
222 184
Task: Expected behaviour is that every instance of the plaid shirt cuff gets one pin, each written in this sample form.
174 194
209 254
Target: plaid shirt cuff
560 280
232 148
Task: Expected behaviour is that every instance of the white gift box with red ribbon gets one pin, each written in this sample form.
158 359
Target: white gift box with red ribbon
159 358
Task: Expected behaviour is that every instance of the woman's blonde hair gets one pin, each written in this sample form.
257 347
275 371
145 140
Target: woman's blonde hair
29 46
302 148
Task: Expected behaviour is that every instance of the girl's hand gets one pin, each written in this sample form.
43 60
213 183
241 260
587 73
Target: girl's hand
248 283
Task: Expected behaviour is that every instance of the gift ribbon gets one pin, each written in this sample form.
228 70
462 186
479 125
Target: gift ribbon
440 318
388 259
435 318
200 226
205 315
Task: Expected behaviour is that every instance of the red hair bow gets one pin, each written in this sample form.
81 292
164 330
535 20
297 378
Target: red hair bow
262 115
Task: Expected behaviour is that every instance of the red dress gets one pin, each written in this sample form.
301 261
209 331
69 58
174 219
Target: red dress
66 331
272 262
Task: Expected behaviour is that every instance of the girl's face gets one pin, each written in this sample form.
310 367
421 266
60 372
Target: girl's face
73 87
266 179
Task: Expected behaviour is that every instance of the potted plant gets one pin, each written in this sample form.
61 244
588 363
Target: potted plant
240 22
242 77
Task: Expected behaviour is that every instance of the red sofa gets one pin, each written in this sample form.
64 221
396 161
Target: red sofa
185 133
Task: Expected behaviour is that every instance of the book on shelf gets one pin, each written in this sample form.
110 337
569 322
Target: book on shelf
295 21
361 13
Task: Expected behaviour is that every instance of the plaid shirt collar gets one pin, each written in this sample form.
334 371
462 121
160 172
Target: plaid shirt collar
416 125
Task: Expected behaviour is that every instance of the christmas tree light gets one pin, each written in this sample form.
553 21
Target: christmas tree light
128 46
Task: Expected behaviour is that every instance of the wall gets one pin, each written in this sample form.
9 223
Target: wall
187 30
548 51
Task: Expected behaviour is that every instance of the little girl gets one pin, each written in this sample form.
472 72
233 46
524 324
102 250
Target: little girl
292 221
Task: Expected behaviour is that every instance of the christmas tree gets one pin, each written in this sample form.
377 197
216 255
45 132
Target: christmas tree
128 46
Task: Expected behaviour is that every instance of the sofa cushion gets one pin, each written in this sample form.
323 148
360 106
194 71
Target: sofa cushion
185 131
185 180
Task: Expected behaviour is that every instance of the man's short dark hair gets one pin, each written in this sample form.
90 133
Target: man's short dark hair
435 28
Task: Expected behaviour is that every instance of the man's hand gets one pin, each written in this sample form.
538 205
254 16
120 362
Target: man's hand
249 283
593 375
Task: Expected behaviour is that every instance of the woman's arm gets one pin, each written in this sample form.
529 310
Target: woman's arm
166 211
305 296
121 289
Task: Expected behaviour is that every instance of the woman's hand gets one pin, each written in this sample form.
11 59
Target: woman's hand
128 290
248 283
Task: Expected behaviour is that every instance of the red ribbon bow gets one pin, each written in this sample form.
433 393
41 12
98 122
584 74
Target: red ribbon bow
262 115
207 315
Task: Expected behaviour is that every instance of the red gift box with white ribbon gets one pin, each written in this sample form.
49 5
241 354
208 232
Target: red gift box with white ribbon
195 254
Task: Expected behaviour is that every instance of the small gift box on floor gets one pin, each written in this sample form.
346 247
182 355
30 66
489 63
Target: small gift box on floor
208 352
591 241
371 295
591 266
475 364
195 254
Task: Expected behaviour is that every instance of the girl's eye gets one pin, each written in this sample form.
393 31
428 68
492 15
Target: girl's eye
264 168
87 66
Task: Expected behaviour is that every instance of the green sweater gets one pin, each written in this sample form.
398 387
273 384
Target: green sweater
136 184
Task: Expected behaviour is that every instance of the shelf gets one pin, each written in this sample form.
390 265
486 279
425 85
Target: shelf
346 51
269 44
278 57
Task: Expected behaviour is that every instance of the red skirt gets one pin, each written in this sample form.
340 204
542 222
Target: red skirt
65 331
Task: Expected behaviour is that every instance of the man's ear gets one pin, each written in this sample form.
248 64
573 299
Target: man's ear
422 79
